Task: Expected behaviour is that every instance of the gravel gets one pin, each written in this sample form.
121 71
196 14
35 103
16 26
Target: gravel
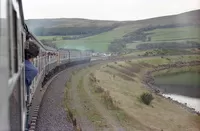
52 116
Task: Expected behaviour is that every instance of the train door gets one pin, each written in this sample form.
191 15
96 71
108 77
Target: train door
12 105
4 93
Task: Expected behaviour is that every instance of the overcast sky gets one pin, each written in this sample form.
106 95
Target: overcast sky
106 9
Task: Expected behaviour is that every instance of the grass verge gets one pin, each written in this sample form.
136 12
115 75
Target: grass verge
90 110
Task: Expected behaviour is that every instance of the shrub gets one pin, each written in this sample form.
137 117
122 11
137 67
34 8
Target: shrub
92 78
108 101
113 75
90 65
121 65
146 98
74 122
71 116
70 79
73 72
99 89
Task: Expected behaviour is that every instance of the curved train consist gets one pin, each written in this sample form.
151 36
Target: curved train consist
13 38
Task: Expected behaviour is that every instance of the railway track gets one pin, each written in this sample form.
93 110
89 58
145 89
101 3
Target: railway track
51 115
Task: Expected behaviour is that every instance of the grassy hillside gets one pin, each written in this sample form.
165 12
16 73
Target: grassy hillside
98 42
67 22
107 96
115 35
173 34
179 35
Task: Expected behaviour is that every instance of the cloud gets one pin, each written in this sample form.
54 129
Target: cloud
106 9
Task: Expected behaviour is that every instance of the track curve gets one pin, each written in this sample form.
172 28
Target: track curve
52 116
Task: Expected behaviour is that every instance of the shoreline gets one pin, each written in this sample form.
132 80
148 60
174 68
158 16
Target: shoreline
149 83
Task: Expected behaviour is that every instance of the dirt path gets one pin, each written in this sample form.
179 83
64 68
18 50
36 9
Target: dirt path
88 111
85 124
102 110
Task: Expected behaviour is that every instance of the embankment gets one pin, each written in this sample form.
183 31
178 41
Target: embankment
149 79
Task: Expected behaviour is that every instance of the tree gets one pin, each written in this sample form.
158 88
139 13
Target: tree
149 38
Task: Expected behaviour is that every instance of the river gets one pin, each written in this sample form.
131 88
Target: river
182 87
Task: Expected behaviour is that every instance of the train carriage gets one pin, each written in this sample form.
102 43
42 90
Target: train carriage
13 36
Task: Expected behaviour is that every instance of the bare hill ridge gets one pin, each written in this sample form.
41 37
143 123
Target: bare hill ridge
188 17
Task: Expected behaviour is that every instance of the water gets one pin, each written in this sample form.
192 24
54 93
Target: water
184 78
182 87
191 102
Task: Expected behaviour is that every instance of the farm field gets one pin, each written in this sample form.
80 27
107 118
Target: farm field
104 36
101 41
179 34
191 33
98 42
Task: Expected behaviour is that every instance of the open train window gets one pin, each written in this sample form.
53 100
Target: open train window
15 41
22 51
10 51
13 46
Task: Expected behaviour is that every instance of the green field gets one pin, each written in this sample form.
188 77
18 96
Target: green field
170 59
124 35
56 38
98 42
191 33
101 41
51 37
180 34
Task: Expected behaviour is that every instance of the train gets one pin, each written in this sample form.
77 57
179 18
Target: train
14 35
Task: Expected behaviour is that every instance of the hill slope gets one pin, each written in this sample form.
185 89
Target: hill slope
99 35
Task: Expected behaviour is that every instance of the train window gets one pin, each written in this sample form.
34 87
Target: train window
15 42
13 46
9 46
10 62
22 51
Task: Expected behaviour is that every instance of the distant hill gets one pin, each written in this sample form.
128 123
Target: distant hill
67 22
192 17
101 35
65 26
85 27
